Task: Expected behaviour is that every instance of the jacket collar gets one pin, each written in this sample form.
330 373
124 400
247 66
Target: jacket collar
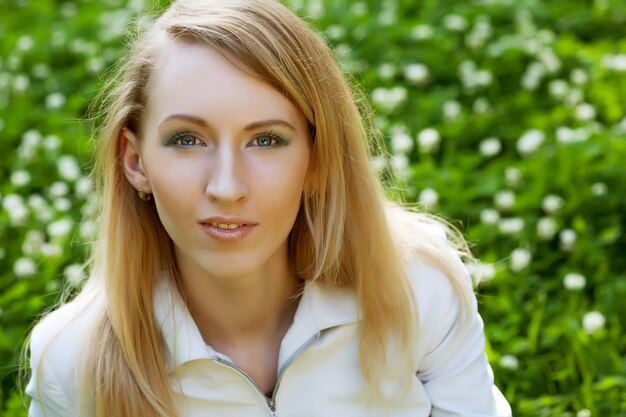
320 308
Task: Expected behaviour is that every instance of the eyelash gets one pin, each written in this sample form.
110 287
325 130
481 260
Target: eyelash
176 137
277 140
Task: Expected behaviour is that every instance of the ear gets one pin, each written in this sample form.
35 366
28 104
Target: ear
131 159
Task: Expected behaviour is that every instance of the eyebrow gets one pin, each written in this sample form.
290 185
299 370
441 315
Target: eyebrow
251 126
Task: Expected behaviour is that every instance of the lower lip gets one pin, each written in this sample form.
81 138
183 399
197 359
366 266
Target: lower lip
227 235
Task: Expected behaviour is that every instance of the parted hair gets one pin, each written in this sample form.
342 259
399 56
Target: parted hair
345 234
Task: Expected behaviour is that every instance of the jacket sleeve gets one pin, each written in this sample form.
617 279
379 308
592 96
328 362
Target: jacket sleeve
55 343
47 397
454 370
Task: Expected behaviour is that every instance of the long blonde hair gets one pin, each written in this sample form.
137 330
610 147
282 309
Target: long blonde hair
340 238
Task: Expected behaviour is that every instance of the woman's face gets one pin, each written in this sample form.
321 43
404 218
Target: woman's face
225 157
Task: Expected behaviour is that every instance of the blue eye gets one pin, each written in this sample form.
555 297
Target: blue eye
268 140
184 139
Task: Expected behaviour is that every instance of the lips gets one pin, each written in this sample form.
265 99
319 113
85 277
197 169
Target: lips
227 230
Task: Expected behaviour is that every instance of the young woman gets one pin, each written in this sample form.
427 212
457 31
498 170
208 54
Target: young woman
247 263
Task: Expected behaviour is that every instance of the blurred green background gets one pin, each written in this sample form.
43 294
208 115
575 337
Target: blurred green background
508 117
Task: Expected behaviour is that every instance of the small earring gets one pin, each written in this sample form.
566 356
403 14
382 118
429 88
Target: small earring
143 196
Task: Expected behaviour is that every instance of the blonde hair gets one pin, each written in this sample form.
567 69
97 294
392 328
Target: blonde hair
341 236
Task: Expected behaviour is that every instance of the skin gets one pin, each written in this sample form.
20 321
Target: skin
244 153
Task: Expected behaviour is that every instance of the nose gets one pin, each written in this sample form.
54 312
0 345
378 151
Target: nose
227 178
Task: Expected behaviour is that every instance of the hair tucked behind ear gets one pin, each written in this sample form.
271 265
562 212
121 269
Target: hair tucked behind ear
342 235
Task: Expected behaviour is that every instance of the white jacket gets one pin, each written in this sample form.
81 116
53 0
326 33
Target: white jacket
318 375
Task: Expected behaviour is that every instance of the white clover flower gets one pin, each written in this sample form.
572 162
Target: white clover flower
585 112
489 216
532 76
428 197
584 413
58 189
566 134
509 362
416 73
615 63
17 211
25 43
87 231
530 141
30 142
504 200
520 259
481 272
599 189
37 202
335 32
90 208
59 228
386 71
400 164
481 105
24 267
574 281
422 31
483 78
389 98
21 83
480 33
94 64
552 203
51 143
51 250
68 168
579 76
428 140
546 228
388 16
74 274
511 226
593 321
567 239
68 10
83 187
55 100
558 88
401 142
41 70
454 22
359 8
343 50
490 147
33 241
513 177
20 178
378 163
550 60
62 204
451 110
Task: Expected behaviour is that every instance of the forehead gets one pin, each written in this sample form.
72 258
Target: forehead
192 78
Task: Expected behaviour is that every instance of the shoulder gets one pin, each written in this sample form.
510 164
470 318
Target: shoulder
57 344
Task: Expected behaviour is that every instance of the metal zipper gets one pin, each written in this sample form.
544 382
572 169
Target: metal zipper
288 362
270 402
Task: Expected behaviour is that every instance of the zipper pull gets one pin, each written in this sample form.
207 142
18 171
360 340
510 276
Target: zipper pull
272 406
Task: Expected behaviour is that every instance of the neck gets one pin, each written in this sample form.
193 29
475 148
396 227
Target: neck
237 311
